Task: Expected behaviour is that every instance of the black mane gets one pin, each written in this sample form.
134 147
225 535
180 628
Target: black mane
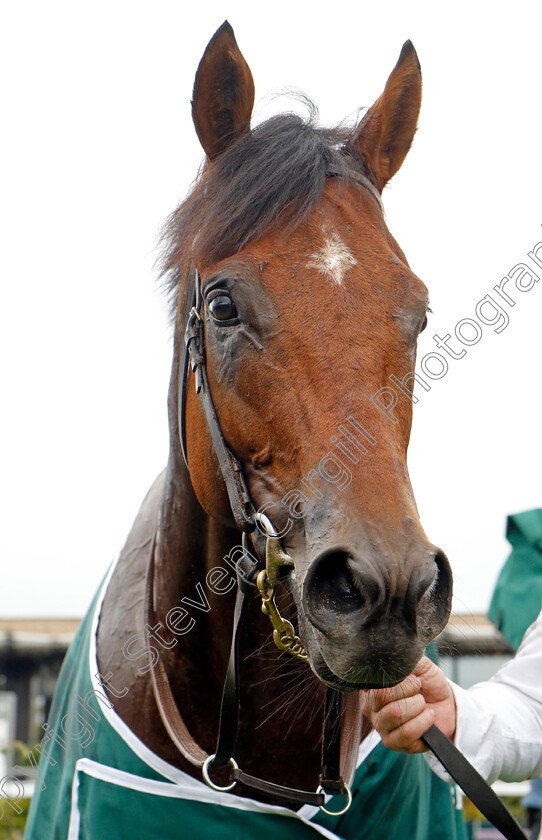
277 171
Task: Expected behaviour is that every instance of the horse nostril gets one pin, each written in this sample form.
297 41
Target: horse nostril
428 597
437 597
333 589
420 584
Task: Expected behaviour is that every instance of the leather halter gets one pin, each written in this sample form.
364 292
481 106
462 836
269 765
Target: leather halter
335 737
245 515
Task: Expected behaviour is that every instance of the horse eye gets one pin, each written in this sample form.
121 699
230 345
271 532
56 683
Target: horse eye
222 308
424 324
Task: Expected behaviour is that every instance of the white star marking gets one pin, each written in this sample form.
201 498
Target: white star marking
333 259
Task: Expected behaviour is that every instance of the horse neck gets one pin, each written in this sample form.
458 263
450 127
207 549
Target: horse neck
190 543
278 694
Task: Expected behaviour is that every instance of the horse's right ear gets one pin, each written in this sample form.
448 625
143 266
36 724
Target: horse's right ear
223 95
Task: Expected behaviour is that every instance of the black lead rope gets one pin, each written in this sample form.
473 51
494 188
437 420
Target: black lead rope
472 784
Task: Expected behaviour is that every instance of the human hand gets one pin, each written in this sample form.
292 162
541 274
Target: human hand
403 713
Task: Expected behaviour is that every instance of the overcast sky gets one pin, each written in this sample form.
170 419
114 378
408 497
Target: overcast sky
98 147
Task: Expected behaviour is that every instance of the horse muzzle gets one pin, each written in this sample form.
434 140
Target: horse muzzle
366 621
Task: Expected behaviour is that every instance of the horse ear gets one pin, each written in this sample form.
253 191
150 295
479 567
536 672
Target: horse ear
223 95
385 133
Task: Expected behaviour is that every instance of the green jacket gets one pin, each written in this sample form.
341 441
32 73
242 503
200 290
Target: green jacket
517 598
108 784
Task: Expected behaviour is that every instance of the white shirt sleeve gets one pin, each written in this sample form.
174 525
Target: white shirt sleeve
499 722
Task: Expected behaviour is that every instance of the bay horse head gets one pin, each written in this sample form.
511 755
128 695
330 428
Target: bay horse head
307 306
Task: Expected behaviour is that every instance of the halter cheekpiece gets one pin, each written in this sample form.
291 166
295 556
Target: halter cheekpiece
260 580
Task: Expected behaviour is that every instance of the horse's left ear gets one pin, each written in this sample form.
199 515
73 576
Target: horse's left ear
223 95
385 133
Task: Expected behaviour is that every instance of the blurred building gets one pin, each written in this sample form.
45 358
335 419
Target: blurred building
471 649
31 653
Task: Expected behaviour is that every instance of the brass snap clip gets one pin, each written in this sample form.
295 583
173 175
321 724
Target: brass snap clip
284 635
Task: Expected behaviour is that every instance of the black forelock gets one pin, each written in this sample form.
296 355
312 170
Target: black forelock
275 172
